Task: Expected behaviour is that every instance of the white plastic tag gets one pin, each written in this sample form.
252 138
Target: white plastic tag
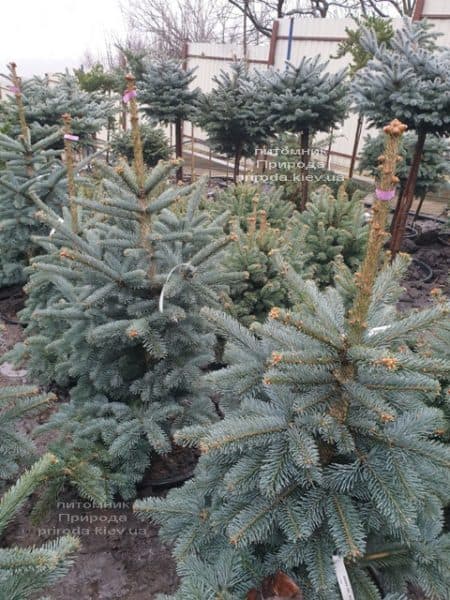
343 579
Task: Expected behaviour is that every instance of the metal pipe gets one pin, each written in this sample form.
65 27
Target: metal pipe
291 33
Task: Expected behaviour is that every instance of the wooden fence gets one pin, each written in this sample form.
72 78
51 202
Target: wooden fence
291 40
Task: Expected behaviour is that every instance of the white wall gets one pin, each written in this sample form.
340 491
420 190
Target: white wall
439 8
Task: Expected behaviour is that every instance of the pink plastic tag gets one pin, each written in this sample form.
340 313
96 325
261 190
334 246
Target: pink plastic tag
384 195
128 95
14 89
72 138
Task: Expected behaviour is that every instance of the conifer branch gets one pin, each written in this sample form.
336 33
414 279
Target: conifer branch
71 189
139 166
377 234
136 135
17 83
237 533
14 498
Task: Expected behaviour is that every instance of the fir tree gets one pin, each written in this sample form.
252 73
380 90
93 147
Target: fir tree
437 342
329 454
25 571
26 165
235 123
242 200
155 146
259 218
381 28
411 80
330 232
45 100
383 31
114 315
252 253
303 99
165 93
96 79
135 60
329 228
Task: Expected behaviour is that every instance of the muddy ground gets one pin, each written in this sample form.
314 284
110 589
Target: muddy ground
126 560
122 559
427 252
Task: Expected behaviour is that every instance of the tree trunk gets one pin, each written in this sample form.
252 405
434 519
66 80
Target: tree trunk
110 125
237 163
304 186
418 209
355 145
400 219
123 116
179 146
397 207
108 139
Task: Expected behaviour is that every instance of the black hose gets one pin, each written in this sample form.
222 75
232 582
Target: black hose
429 275
10 321
410 232
169 481
14 291
444 241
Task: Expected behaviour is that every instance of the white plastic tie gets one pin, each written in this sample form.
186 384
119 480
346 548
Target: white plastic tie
53 231
377 329
169 275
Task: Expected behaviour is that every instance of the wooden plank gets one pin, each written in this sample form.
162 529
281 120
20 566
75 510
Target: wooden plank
227 58
273 43
185 54
334 153
312 38
418 10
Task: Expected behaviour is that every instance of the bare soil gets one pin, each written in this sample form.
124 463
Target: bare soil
11 302
429 270
121 557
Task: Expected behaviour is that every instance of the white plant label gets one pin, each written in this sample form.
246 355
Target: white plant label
343 579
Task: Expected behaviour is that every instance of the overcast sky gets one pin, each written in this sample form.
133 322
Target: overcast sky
48 35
